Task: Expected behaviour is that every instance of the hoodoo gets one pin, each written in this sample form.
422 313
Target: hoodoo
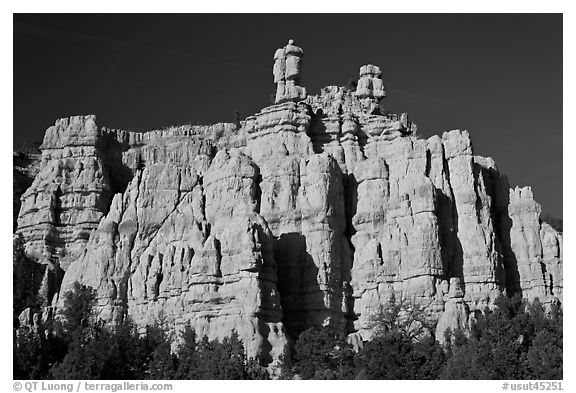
317 210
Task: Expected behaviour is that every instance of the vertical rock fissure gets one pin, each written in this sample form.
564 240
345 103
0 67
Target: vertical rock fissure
57 207
258 191
503 227
139 175
350 202
457 262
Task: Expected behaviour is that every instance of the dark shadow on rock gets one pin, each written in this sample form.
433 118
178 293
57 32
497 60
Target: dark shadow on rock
57 206
119 173
350 208
447 234
499 206
458 258
455 264
21 181
301 298
268 277
350 204
264 358
317 132
27 280
257 191
362 140
503 227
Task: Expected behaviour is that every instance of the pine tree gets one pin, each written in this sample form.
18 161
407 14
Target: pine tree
163 363
516 340
77 312
186 354
323 353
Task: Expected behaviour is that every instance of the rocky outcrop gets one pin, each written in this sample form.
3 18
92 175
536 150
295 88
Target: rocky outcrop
25 169
186 245
456 312
532 250
477 258
69 195
287 70
302 199
317 210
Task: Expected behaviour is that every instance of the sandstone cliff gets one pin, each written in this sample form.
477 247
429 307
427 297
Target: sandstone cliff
316 210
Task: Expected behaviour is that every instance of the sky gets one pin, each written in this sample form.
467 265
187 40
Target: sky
497 75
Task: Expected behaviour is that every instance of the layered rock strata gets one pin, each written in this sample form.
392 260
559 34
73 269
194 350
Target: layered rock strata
287 69
25 169
185 244
317 210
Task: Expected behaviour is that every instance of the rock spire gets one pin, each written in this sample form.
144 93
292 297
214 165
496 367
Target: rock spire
287 71
317 210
